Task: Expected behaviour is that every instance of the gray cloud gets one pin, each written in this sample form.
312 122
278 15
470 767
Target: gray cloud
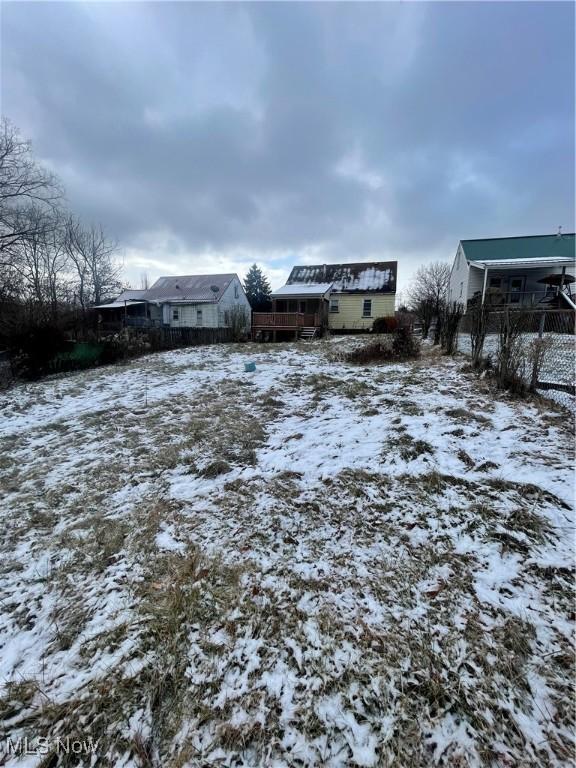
203 133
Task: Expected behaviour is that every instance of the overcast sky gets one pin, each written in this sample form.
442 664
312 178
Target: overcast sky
209 136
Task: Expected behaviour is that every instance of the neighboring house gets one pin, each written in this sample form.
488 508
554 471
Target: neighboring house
360 292
187 301
536 270
341 297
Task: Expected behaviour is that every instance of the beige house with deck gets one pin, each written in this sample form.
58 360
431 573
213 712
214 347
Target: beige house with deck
340 297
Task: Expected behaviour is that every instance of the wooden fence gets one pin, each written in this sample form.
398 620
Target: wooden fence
170 338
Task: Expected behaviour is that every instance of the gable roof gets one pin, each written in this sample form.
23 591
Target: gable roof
189 288
130 295
360 277
511 248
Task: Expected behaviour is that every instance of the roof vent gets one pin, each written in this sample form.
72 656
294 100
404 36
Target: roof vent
177 286
559 232
214 288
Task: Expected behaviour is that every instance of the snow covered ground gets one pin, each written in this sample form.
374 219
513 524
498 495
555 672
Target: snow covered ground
315 564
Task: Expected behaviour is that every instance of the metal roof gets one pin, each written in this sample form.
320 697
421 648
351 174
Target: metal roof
189 288
359 277
512 248
298 289
128 295
116 304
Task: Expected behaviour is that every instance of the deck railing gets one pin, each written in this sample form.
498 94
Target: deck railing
285 320
537 299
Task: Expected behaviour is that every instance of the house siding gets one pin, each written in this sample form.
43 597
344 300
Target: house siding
229 300
460 275
349 315
187 315
212 312
475 281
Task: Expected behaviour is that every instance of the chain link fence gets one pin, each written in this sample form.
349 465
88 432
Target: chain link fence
543 342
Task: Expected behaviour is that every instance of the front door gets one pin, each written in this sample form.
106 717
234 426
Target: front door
303 307
516 289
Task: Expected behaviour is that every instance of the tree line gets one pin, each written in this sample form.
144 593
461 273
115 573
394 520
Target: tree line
53 266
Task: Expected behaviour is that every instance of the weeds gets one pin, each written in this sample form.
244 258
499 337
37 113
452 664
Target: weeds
330 612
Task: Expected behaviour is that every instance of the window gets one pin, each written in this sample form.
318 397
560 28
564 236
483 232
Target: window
175 313
458 259
236 292
516 288
367 308
461 289
198 317
334 304
496 282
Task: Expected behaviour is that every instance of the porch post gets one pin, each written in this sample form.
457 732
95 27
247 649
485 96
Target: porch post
484 285
562 279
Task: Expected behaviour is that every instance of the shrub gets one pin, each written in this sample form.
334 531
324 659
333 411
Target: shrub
404 346
384 325
451 321
511 359
536 353
478 317
32 350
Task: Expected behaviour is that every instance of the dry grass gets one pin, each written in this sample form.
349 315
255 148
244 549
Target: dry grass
293 611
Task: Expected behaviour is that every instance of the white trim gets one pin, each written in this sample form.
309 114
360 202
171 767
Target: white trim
484 284
536 263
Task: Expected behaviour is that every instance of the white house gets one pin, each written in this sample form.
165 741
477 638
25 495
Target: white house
187 301
515 271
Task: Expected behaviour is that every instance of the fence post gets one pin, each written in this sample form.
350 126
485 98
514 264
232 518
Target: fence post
541 326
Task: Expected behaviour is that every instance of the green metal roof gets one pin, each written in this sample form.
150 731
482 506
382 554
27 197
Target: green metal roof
530 247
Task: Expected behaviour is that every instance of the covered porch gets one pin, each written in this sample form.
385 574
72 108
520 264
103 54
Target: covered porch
116 315
541 283
297 310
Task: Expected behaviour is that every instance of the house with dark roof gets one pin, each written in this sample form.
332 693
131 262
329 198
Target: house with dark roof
360 292
537 270
186 301
341 297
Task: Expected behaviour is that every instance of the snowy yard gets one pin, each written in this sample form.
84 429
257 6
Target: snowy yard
311 565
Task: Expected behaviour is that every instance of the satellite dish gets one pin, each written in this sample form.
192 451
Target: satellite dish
214 288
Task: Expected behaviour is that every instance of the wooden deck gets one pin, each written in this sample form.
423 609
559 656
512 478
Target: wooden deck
289 321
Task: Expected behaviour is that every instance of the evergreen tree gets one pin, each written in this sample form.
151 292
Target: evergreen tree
257 289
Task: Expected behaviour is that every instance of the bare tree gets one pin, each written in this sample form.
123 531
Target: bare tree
91 253
428 295
144 281
42 264
22 183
